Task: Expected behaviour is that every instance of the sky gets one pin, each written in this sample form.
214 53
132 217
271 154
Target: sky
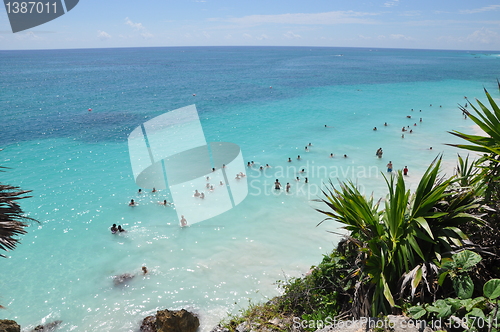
417 24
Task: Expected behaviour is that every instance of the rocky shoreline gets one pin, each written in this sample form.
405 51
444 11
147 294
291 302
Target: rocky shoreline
185 321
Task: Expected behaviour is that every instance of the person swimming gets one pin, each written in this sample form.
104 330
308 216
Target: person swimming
288 187
144 270
114 229
120 229
196 193
331 155
289 159
132 203
183 221
277 185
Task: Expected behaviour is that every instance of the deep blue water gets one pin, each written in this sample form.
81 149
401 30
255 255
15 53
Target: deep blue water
44 92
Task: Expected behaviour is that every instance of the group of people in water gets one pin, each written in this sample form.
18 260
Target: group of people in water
140 192
117 230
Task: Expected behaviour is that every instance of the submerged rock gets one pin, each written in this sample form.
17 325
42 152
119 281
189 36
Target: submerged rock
120 279
7 325
49 327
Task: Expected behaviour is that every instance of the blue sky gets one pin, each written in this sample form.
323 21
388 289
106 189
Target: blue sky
424 24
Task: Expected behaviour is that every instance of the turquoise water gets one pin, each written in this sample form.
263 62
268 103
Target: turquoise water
77 164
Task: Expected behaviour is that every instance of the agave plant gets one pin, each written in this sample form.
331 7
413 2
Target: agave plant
489 122
401 244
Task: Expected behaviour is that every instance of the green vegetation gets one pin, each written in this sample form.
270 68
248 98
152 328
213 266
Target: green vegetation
12 218
473 314
428 254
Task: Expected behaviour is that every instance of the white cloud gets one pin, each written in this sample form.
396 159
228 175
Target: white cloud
291 35
137 26
206 34
391 3
484 36
29 35
411 13
480 10
103 35
400 37
262 37
328 18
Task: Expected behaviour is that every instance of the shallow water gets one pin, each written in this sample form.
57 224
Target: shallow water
77 164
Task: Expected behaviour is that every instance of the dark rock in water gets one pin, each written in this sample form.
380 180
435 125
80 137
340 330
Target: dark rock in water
49 327
118 280
176 321
148 324
7 325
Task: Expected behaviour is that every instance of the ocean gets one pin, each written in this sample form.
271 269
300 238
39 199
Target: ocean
272 102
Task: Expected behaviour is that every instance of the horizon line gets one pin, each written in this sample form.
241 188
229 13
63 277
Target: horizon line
244 46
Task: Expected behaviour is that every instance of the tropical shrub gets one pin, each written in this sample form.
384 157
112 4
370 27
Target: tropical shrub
400 247
464 313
